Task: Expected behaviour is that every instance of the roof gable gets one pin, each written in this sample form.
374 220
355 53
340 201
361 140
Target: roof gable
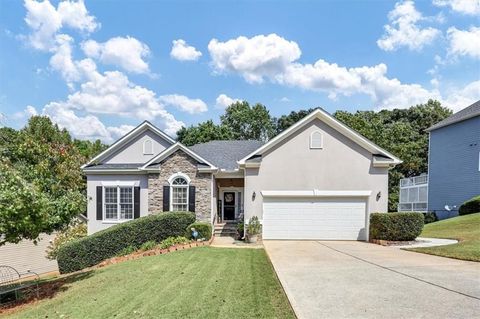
465 114
172 149
117 146
330 121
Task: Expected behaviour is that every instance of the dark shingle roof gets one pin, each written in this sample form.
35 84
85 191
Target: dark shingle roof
225 154
468 112
114 166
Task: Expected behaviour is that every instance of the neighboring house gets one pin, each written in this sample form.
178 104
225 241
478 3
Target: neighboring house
26 255
318 179
454 161
413 194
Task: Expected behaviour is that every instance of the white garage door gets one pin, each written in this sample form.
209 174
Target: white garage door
323 219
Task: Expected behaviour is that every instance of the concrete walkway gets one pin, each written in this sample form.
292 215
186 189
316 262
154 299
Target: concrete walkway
230 242
428 242
360 280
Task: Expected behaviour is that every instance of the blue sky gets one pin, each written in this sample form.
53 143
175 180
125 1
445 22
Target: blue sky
100 67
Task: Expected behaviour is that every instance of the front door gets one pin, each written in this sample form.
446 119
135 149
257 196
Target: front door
229 205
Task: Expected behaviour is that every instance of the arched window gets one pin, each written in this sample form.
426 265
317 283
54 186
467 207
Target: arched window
316 139
179 192
148 147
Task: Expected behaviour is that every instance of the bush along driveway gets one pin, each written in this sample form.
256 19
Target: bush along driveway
203 282
466 229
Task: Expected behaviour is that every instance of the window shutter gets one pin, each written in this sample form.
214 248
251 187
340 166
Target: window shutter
99 203
136 202
191 199
166 198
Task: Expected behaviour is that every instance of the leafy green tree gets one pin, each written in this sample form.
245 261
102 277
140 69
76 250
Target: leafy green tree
89 149
285 121
204 132
41 185
249 122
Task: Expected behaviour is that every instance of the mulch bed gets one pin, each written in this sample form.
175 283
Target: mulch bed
395 242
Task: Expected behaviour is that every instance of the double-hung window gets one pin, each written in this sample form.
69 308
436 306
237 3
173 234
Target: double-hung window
179 195
118 203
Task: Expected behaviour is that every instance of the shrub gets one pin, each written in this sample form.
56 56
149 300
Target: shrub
429 217
148 245
471 206
396 226
127 250
91 250
204 230
171 241
75 231
253 227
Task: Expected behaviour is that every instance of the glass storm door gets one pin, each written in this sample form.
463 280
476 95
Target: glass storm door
229 205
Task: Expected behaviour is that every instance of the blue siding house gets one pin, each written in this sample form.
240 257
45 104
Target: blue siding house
454 161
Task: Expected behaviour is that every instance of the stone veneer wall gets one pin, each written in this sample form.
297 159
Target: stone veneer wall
183 163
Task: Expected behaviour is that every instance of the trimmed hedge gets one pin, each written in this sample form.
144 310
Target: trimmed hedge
91 250
471 206
396 226
430 217
204 230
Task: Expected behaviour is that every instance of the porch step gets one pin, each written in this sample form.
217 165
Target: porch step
225 229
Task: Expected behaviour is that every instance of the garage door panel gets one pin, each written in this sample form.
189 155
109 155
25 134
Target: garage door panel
343 219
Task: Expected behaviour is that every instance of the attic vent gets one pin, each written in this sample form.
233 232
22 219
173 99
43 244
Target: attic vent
316 140
147 147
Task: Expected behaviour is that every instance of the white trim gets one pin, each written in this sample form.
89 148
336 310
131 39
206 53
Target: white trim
332 122
104 209
252 165
321 140
380 163
113 170
230 174
236 190
315 193
127 137
170 181
207 169
171 150
146 151
120 183
178 174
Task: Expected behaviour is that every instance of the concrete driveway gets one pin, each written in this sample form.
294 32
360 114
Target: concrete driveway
332 279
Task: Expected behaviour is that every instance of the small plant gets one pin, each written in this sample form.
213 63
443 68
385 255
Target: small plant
75 231
204 230
127 250
253 227
240 229
430 217
148 245
172 241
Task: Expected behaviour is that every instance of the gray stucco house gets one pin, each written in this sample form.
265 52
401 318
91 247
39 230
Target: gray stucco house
454 161
318 179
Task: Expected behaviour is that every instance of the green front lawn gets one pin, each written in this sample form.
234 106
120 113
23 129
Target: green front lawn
466 229
202 282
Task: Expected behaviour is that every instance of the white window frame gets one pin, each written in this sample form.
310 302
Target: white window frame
147 151
171 180
321 140
118 219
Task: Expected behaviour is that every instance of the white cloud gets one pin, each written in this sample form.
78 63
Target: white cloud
45 21
127 53
224 101
459 98
464 42
469 7
254 58
274 58
404 31
119 131
25 114
183 52
285 99
183 103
